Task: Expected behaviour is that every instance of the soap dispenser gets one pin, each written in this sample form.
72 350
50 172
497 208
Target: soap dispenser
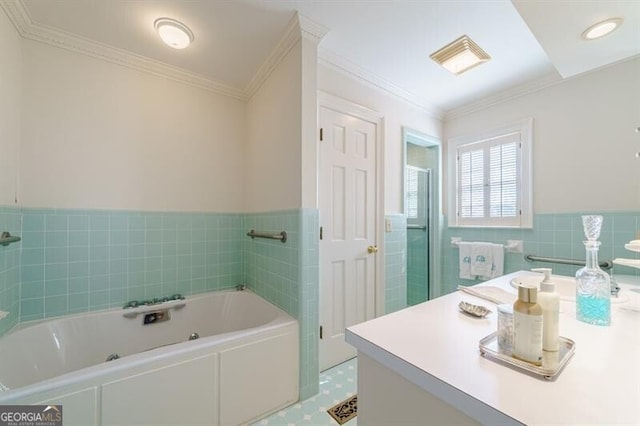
527 326
549 300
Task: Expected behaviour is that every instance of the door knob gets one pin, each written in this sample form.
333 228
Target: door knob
372 249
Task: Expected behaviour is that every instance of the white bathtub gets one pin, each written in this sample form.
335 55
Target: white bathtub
244 364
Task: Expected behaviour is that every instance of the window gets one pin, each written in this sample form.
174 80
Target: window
491 175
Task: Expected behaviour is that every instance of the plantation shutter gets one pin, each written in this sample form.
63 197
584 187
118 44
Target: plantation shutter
488 182
503 169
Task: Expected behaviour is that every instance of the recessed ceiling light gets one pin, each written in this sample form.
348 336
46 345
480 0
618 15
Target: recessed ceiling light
601 29
174 33
460 55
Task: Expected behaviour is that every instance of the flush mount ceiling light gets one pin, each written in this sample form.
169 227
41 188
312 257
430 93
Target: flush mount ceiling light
460 55
174 33
601 29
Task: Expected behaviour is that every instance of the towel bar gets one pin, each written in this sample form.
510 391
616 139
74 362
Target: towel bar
512 246
605 264
282 236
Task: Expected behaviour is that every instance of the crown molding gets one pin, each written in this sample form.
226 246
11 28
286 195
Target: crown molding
311 30
287 41
19 16
298 27
348 68
548 80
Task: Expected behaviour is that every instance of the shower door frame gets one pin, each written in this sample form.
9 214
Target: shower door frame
436 219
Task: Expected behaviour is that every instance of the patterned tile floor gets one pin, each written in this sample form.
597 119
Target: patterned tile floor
336 384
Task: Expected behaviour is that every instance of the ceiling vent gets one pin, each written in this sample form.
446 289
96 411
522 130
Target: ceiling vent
460 55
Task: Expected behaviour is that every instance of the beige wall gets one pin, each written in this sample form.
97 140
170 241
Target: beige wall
99 135
583 140
397 114
10 103
272 162
104 136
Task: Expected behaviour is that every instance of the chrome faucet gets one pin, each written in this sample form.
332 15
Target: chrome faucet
112 357
615 288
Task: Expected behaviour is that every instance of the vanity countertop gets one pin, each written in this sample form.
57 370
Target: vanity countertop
435 346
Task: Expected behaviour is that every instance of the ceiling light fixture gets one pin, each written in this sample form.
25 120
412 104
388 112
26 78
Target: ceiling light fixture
174 33
460 55
601 29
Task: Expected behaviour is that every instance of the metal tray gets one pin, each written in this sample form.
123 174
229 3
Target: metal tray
552 362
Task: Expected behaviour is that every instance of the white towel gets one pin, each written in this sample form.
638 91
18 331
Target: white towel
497 267
465 261
481 259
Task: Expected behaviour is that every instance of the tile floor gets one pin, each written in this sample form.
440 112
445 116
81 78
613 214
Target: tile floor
336 384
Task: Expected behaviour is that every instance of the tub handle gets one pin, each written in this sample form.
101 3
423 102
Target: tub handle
6 238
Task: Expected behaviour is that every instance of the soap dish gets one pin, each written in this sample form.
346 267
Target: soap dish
474 310
633 245
552 362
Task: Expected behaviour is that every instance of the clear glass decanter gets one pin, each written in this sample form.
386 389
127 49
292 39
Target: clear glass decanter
593 285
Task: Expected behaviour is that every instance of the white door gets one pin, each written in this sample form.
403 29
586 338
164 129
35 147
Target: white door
347 190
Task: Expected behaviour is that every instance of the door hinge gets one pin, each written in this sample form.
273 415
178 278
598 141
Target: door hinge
321 232
321 332
321 134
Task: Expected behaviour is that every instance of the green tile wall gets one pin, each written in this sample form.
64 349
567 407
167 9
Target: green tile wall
417 267
553 235
10 221
82 260
309 297
287 275
272 268
395 246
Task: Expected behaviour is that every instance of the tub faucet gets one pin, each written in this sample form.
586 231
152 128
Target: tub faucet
153 301
113 357
615 288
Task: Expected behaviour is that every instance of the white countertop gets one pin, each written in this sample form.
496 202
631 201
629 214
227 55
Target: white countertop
435 346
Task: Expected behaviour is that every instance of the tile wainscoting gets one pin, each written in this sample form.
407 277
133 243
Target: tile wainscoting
98 259
553 235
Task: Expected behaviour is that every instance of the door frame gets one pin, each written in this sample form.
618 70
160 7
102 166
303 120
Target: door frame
437 223
344 106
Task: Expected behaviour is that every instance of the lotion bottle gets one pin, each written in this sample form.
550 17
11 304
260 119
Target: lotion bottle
549 301
527 326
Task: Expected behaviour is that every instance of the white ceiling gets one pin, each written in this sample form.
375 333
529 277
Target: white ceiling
389 41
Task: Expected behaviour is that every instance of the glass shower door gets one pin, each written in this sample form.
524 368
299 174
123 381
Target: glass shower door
418 215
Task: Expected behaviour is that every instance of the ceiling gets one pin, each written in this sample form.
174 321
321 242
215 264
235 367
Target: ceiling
386 41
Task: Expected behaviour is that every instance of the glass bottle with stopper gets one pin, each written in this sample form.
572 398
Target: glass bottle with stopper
593 285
